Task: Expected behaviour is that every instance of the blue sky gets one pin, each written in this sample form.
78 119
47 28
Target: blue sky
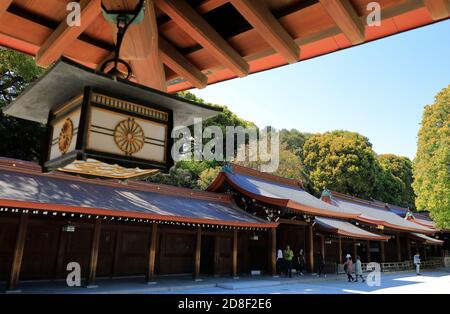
378 89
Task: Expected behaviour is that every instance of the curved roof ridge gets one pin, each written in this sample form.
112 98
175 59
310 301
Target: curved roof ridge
33 168
377 205
266 176
276 193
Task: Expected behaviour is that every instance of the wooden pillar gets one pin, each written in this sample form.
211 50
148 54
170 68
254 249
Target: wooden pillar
273 251
368 257
425 251
216 255
94 254
152 254
355 250
310 241
322 246
117 251
399 248
382 253
234 253
340 250
197 255
408 248
18 253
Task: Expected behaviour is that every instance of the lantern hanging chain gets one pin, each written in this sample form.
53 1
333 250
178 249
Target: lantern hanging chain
123 21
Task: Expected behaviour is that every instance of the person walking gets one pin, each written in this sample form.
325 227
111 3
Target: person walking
348 267
301 262
280 261
358 269
288 256
320 264
417 263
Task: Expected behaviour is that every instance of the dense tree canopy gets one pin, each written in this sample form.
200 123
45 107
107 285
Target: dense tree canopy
294 140
387 188
19 138
342 161
401 168
432 162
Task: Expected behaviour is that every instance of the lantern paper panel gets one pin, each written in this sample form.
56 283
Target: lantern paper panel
103 135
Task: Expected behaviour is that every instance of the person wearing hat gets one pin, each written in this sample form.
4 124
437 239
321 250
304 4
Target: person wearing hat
348 267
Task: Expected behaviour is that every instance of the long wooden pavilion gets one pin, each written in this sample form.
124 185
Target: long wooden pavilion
335 225
113 228
182 44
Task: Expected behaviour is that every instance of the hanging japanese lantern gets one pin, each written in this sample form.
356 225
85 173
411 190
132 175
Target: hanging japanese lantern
99 125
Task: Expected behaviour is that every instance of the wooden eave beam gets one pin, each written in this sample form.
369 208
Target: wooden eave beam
143 58
197 28
178 63
268 27
64 35
204 7
150 70
346 18
439 9
138 40
4 5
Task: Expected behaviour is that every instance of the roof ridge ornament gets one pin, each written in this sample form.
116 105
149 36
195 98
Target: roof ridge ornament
409 215
227 168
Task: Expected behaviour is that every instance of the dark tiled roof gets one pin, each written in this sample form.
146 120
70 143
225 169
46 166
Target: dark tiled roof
427 239
278 191
376 213
22 183
345 228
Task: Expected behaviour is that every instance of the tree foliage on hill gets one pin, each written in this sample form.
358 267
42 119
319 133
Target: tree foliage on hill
290 166
19 138
432 162
294 140
342 161
401 168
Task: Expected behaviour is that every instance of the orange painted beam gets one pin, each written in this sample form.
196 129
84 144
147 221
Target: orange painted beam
177 62
139 40
346 18
268 27
439 9
194 24
149 70
4 4
61 39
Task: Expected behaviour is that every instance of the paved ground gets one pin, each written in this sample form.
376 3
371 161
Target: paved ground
437 281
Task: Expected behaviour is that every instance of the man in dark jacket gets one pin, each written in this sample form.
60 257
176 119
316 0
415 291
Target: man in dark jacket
320 264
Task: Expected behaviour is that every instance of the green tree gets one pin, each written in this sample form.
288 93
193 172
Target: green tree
342 161
294 140
207 177
195 174
432 163
290 166
401 168
19 138
177 177
387 188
